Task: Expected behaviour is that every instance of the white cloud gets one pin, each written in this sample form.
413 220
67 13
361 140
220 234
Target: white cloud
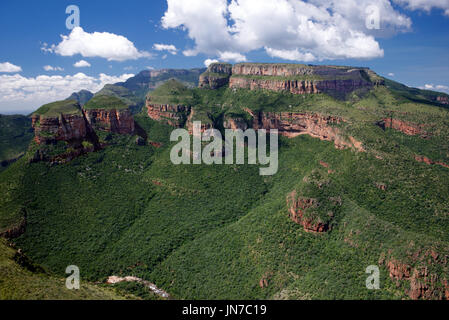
391 74
287 29
165 47
28 94
231 56
98 44
51 68
82 64
208 62
438 87
294 55
9 67
426 5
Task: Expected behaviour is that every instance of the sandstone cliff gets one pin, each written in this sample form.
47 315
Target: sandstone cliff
109 113
293 124
302 79
216 76
116 121
174 115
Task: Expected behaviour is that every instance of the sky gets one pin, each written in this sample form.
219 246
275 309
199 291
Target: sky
47 53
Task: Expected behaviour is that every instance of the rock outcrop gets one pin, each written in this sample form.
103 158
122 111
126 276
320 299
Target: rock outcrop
405 127
430 161
443 99
174 115
72 128
423 284
216 76
119 121
298 206
293 124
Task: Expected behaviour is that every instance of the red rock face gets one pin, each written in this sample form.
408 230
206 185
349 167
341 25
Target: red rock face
174 115
297 207
443 100
116 121
293 124
70 128
423 284
332 87
405 127
429 161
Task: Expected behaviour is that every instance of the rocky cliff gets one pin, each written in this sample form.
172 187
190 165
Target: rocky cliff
109 113
302 79
174 115
116 121
62 121
293 124
216 76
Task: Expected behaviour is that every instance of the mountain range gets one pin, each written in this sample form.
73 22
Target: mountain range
362 182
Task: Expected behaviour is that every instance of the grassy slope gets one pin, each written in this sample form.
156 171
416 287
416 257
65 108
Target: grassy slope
215 231
19 283
54 109
105 102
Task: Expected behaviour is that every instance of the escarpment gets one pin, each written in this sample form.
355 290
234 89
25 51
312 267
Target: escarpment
62 121
293 124
302 79
216 76
108 113
115 121
173 115
65 121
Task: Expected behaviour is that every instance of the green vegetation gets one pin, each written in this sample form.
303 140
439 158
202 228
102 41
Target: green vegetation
105 102
171 92
15 135
20 280
60 107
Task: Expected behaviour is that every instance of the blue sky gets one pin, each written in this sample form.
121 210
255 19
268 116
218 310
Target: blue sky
414 52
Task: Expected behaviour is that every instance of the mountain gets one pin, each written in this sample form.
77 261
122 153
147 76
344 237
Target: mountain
82 97
134 90
362 181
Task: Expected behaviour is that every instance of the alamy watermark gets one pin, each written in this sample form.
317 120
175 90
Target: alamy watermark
73 280
186 152
73 20
373 280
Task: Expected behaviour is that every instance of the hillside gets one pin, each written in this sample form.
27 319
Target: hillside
363 180
15 135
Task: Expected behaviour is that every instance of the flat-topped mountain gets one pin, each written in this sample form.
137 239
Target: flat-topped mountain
297 79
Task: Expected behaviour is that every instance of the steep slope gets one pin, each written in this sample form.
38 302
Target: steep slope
15 135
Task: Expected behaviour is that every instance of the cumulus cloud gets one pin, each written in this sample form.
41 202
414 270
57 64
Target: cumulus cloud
231 56
208 62
286 29
9 67
98 44
165 47
82 64
18 93
438 87
391 74
51 68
